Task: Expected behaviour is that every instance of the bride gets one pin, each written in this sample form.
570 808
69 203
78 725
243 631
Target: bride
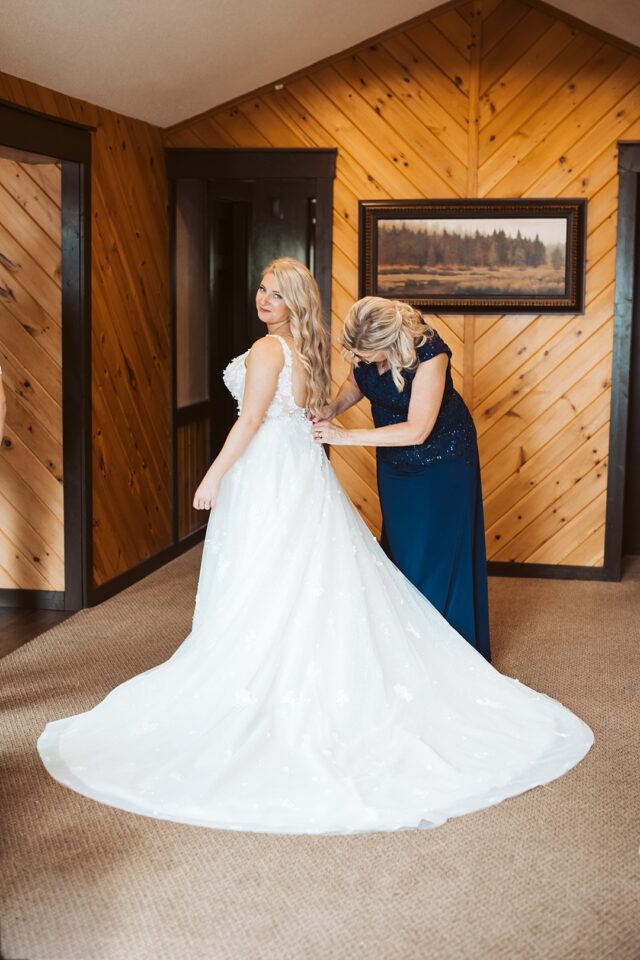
318 690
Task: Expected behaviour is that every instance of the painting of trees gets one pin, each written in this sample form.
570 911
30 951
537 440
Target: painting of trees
434 257
495 255
425 247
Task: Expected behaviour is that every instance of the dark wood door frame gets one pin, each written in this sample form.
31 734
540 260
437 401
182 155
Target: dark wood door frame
25 132
626 321
623 501
229 164
236 163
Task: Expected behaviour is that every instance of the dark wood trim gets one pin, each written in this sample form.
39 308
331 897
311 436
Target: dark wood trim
47 116
548 571
28 132
129 577
631 512
281 82
193 413
50 137
323 249
173 361
76 381
32 599
624 309
240 163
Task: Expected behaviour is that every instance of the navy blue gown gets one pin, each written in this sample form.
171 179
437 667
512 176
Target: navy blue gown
431 500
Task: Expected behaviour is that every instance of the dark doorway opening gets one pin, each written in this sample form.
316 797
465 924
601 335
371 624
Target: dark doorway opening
233 211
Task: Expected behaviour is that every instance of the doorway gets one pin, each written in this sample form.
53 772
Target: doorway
233 211
44 352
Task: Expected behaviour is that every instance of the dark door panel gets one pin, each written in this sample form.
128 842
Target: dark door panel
254 206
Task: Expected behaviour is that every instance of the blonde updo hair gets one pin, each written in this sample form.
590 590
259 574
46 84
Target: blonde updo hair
301 295
375 324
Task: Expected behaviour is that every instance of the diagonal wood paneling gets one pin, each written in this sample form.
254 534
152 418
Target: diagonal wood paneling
554 101
397 110
32 537
130 330
492 98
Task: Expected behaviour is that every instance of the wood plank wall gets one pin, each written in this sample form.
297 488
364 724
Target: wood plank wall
31 493
494 98
130 342
193 458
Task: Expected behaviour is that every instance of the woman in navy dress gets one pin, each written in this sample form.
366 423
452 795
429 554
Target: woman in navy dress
427 458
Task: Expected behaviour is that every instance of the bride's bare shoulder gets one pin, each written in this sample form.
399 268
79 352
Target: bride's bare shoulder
267 352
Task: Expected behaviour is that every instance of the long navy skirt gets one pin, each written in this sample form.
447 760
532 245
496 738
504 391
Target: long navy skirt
433 530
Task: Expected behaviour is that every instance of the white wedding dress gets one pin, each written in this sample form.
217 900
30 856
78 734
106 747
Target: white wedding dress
318 692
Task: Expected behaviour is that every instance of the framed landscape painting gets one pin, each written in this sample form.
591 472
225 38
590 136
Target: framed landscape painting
475 256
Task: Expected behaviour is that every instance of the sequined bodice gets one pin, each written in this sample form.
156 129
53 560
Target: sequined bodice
283 405
453 436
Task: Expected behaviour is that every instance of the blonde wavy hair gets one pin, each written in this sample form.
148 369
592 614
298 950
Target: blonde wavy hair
397 329
301 295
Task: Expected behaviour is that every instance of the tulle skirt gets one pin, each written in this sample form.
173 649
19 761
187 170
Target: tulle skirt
318 691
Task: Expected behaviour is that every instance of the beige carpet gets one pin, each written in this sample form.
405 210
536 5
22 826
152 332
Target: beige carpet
550 875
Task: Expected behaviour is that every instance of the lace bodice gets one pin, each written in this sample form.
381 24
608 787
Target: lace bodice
283 405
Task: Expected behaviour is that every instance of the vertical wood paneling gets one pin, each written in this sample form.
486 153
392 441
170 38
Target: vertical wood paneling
130 329
31 493
193 458
496 98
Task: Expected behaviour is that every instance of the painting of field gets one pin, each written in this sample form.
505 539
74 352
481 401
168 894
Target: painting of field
493 257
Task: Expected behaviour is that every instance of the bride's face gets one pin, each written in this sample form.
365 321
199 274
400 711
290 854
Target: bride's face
270 302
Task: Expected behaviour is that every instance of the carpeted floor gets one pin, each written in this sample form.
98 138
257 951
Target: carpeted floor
550 875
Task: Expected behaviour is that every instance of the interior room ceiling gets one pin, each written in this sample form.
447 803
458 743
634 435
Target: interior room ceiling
164 62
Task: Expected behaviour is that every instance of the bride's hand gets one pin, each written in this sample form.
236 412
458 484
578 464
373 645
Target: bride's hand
207 493
325 432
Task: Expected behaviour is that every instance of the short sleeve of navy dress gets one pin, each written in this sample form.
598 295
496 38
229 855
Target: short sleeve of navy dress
453 436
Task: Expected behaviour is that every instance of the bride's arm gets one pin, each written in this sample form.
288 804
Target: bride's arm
263 364
426 397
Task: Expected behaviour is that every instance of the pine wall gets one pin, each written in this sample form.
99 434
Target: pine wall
494 98
130 345
31 494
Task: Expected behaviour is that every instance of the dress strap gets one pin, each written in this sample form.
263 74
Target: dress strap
288 356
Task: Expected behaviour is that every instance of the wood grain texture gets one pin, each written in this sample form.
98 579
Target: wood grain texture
31 491
492 98
193 459
554 100
397 109
130 328
495 98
